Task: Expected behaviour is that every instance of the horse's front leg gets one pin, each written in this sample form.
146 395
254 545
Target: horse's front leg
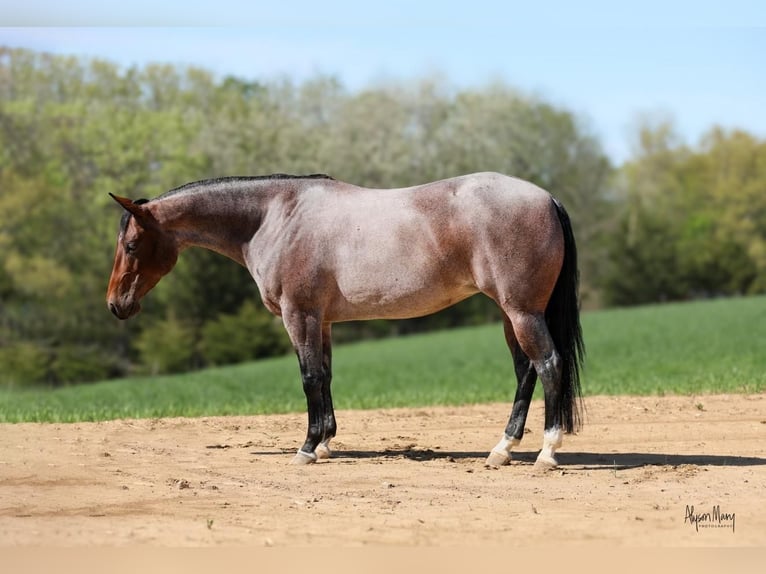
330 426
305 331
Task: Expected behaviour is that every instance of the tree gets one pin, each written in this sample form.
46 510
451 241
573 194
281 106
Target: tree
689 224
72 130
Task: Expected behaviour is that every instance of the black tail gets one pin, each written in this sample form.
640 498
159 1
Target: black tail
563 318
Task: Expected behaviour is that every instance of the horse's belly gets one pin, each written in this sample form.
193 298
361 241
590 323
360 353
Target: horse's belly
396 294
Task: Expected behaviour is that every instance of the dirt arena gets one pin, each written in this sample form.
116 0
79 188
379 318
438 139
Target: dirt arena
412 477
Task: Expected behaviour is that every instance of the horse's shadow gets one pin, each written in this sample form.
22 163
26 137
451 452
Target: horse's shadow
639 459
627 460
583 460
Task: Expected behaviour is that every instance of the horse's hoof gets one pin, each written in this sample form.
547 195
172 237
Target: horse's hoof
304 458
545 463
322 451
497 459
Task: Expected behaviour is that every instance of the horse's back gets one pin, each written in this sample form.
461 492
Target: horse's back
473 200
502 193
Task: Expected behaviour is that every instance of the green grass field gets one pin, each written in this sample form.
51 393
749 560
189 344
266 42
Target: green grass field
692 348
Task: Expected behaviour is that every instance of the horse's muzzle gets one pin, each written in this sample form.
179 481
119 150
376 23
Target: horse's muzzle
124 312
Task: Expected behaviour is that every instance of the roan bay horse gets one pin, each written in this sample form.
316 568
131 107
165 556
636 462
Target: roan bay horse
323 251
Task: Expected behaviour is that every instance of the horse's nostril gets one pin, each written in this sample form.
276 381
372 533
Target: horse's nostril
113 309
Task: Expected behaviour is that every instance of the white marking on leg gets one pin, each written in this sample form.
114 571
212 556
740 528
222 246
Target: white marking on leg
501 453
323 450
304 458
506 444
552 439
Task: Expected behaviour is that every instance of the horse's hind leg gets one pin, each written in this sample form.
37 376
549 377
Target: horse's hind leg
526 377
535 341
330 426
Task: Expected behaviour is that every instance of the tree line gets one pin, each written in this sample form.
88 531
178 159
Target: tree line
674 222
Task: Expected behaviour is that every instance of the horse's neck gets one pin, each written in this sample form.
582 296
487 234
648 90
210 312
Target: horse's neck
220 222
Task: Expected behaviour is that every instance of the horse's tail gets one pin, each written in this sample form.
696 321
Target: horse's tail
563 318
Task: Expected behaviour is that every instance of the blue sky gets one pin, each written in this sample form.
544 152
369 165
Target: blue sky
697 62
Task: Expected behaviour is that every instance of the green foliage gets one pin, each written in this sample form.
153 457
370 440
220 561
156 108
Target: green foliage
672 223
22 364
72 130
690 223
166 346
690 348
249 334
646 267
79 363
204 285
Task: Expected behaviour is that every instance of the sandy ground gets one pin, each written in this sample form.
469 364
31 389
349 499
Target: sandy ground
412 477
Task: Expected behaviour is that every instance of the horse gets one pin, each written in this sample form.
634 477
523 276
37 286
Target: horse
323 251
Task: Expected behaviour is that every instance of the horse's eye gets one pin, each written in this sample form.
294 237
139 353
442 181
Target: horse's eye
130 247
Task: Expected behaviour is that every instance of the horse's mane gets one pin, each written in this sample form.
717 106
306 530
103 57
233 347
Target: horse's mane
207 183
220 181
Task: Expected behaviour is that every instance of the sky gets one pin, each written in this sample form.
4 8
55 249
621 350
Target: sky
698 63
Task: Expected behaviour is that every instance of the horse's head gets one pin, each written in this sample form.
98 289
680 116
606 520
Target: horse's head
145 253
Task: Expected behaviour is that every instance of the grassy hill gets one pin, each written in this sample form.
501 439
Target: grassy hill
691 348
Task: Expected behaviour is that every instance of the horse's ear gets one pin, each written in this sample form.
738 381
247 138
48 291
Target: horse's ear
135 208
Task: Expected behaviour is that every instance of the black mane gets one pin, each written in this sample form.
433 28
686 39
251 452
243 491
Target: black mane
242 179
221 180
